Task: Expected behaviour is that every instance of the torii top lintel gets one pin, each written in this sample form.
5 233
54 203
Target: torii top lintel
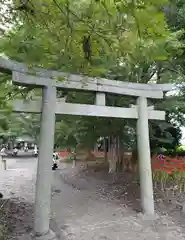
39 77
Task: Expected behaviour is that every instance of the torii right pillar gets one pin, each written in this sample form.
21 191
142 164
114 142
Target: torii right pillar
145 170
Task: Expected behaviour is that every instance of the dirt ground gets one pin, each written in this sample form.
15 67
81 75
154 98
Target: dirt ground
88 205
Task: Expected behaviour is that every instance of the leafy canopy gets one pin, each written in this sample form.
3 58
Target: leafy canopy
51 33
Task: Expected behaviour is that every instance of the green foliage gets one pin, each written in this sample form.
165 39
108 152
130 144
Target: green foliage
131 32
14 125
164 134
167 182
65 134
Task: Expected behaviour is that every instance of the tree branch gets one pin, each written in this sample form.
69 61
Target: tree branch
136 20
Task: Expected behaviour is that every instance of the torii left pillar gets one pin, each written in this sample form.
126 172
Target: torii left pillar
145 171
44 169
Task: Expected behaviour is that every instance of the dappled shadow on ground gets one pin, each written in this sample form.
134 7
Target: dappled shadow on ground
122 188
16 217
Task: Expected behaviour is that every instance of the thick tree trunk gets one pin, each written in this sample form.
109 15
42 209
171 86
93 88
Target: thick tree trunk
134 164
112 166
113 155
125 161
117 152
105 150
105 155
84 155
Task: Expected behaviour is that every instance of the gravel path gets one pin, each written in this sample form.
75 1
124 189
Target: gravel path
85 206
106 207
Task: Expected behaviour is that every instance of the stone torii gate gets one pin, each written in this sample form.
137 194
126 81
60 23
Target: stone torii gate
49 105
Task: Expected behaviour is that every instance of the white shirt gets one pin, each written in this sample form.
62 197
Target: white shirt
3 152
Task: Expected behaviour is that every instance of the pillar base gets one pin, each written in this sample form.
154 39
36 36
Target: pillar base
148 217
49 236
